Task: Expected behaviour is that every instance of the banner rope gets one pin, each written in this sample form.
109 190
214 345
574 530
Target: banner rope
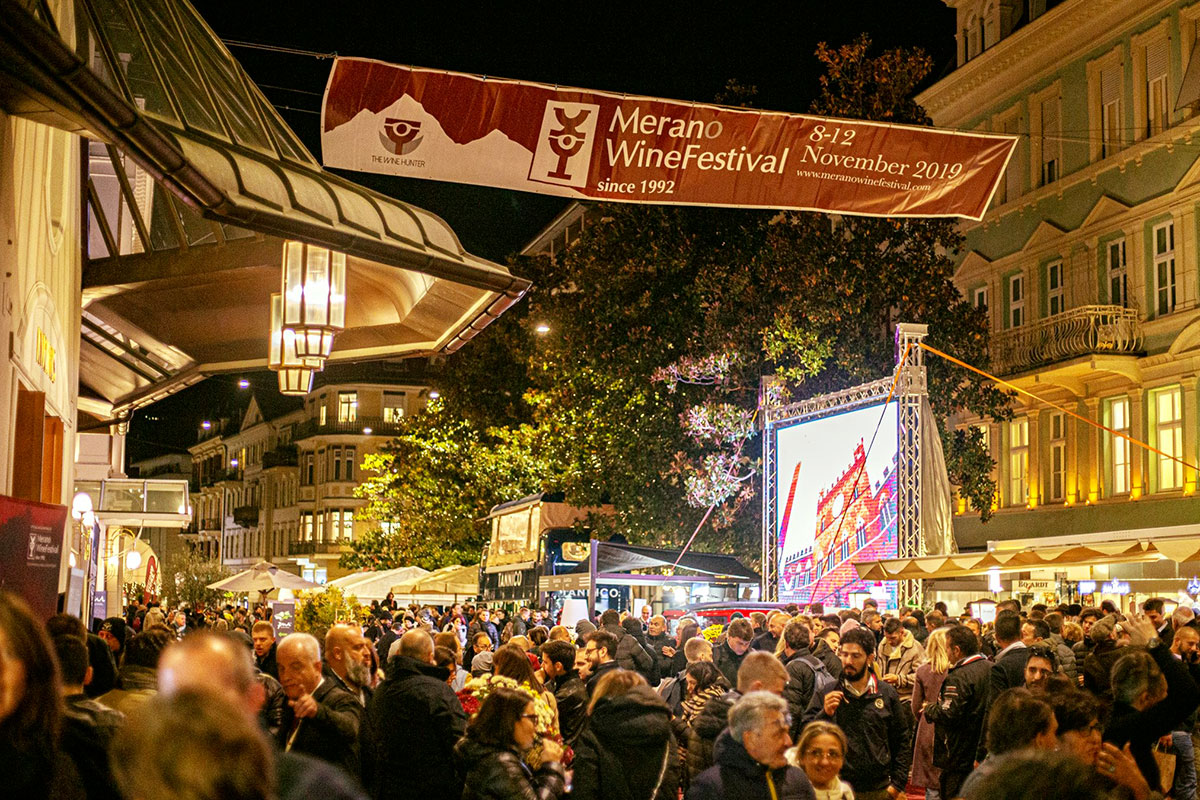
1054 405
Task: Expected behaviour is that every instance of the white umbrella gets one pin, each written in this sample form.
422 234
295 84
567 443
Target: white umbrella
262 577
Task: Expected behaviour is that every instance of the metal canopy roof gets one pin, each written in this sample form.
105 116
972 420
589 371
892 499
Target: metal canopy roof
177 282
613 557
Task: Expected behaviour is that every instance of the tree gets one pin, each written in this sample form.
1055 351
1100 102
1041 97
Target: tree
317 611
186 575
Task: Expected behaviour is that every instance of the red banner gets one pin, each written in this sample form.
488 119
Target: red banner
31 543
586 145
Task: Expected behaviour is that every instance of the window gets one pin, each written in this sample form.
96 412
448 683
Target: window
306 526
1168 433
393 407
324 415
1118 286
1164 268
1054 288
1058 456
979 298
335 454
307 470
1118 446
1051 140
347 406
1016 301
322 469
1018 462
348 454
1110 109
319 534
1157 108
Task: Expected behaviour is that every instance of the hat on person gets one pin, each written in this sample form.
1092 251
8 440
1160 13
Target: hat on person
115 626
481 664
850 624
1102 629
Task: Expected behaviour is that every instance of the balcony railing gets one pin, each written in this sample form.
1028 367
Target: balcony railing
317 548
369 425
280 457
246 516
1086 330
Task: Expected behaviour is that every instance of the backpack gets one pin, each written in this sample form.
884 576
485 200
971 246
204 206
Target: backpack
822 678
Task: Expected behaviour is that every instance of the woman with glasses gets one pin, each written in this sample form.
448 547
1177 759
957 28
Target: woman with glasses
490 753
1080 735
820 752
926 688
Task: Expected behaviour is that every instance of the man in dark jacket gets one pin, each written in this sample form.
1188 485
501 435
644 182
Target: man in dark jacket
321 720
728 655
263 636
1147 702
412 723
347 660
87 726
957 715
1087 618
825 648
769 639
760 672
869 712
600 651
571 696
801 666
750 761
627 748
1098 665
656 639
1153 609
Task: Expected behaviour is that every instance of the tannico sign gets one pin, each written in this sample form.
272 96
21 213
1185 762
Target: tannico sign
588 145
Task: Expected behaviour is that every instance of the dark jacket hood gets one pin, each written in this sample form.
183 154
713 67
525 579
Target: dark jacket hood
469 752
729 753
639 718
405 666
713 718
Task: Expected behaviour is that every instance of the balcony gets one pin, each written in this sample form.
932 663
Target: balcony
1082 331
317 548
376 426
246 516
285 456
228 476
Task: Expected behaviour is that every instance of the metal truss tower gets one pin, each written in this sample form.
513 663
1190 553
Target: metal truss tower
911 391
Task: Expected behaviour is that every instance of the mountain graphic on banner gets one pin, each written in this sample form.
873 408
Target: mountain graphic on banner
359 145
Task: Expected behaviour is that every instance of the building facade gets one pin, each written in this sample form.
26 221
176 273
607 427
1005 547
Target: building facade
278 485
1086 262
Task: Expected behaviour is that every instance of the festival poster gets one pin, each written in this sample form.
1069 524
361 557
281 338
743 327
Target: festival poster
31 542
591 145
283 617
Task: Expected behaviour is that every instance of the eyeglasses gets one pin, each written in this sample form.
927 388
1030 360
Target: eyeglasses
832 755
530 717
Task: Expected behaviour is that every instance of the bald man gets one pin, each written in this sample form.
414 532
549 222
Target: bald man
348 660
321 719
412 723
219 665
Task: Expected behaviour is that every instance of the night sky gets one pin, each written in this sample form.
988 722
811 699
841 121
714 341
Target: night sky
684 51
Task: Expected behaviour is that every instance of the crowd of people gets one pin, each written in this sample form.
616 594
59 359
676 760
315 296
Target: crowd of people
469 702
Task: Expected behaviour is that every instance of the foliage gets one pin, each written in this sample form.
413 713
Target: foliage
430 484
186 574
319 609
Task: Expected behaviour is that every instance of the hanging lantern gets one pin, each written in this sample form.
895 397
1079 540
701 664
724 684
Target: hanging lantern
295 371
296 380
314 297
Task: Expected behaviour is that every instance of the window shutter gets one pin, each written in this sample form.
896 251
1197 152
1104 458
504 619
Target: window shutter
1110 85
1156 59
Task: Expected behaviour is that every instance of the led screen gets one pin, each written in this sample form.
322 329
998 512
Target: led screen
836 503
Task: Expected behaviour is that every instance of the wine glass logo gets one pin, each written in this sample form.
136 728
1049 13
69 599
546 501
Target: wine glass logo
567 140
400 136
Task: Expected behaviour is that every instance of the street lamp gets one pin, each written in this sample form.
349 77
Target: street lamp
295 371
314 296
542 328
123 560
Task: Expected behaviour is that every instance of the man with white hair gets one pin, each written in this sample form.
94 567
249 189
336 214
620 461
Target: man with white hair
321 719
207 662
750 760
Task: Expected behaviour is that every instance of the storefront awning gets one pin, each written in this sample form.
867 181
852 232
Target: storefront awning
613 557
1118 547
193 184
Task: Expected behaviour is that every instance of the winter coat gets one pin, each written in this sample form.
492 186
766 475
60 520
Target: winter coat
828 657
104 667
414 719
497 773
488 627
332 734
926 689
627 751
1066 656
271 713
1141 729
901 661
656 644
88 728
30 772
630 654
765 641
1007 672
135 685
648 667
600 672
958 714
728 661
879 749
267 664
705 729
798 690
737 776
571 697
